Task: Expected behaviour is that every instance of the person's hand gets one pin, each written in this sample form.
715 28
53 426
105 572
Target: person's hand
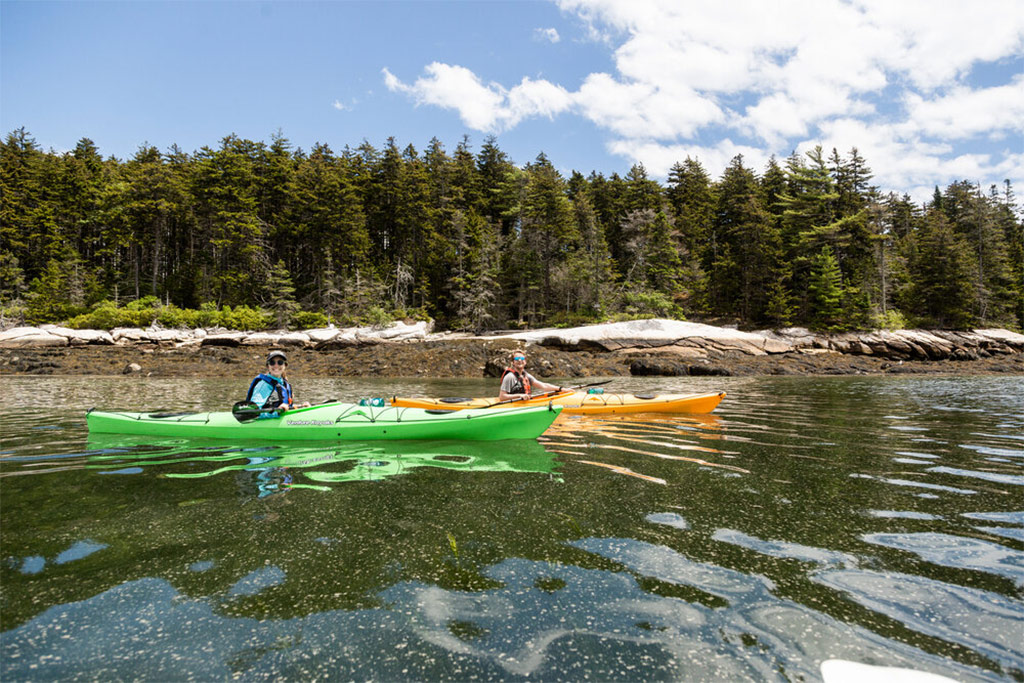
305 404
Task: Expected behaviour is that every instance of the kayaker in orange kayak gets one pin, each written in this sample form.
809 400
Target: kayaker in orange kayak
518 384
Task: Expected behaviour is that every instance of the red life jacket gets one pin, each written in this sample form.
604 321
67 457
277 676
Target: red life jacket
523 380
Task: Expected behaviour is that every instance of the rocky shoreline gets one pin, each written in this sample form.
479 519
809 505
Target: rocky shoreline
643 347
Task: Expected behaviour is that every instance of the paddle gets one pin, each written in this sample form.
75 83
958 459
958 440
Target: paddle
247 411
547 393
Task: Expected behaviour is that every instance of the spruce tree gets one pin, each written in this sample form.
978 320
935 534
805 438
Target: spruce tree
940 290
825 291
281 294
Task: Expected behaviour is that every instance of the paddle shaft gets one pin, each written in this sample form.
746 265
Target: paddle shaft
546 393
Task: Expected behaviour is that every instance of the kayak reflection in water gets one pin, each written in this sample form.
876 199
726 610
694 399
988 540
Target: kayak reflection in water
271 389
518 384
260 482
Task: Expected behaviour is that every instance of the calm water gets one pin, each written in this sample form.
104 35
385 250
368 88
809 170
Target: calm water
876 520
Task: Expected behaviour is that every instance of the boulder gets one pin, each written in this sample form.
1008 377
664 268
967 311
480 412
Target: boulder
933 346
294 339
321 335
399 331
657 367
649 334
342 339
261 339
168 336
128 335
84 337
30 337
231 339
664 367
791 338
1006 337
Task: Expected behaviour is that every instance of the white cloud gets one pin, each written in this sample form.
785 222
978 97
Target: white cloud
658 159
894 79
549 35
482 107
455 87
339 106
535 98
964 112
644 110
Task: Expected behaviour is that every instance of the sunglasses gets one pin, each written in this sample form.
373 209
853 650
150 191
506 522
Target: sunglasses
518 357
277 362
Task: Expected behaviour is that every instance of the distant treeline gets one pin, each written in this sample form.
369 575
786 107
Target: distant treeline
268 234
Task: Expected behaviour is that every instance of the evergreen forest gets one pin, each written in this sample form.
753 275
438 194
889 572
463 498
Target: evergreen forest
254 235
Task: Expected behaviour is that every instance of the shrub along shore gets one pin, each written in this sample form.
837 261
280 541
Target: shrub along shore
652 347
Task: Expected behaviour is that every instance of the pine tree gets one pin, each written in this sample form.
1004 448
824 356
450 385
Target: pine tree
12 280
1013 230
549 234
748 246
825 291
974 217
281 294
231 244
690 195
941 265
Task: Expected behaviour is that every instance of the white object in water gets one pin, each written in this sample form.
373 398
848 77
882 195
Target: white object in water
842 671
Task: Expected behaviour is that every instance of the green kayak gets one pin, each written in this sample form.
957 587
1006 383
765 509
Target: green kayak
336 422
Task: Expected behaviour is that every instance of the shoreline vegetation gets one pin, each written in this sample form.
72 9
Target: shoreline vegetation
649 347
255 235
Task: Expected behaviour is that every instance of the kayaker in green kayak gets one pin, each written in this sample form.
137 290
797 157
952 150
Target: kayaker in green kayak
518 384
271 389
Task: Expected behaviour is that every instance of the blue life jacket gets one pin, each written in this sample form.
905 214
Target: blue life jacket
278 386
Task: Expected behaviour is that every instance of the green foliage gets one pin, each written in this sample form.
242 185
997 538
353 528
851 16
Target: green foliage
246 318
281 294
825 290
51 296
377 318
365 236
12 278
941 292
577 319
144 303
892 319
780 309
646 304
309 320
106 315
12 315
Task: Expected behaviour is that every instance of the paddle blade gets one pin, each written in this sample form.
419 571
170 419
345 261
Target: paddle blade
245 411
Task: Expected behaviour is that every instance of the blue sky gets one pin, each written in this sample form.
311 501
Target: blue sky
929 91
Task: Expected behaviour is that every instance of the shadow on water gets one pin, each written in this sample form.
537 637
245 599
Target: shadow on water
874 520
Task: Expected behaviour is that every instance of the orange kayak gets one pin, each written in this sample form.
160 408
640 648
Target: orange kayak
581 402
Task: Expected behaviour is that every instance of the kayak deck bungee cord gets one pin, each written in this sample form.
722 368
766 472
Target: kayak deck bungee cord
336 422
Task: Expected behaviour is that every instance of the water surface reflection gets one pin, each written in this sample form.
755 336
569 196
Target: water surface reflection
874 520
